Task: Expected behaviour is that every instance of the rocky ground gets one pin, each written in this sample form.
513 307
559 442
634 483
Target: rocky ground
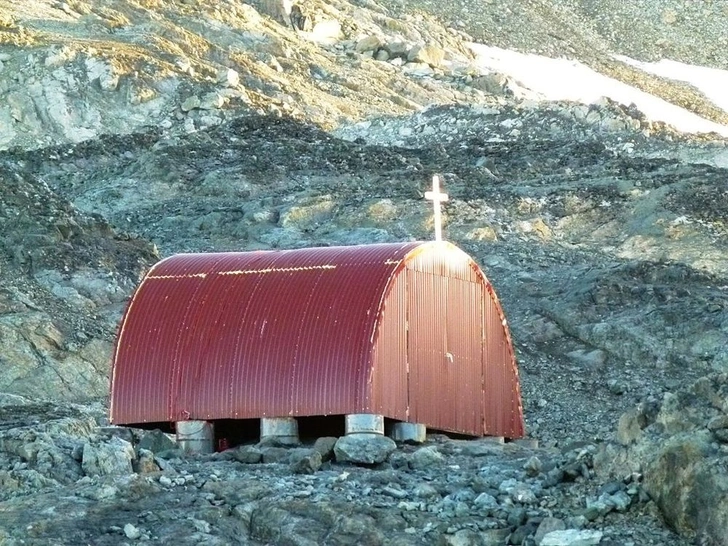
134 130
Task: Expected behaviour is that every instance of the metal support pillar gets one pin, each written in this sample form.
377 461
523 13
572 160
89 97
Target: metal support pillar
283 430
196 437
409 432
364 423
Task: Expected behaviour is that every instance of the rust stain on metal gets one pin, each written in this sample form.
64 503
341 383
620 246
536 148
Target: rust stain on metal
409 330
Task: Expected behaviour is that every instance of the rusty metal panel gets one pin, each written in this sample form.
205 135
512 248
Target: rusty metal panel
425 350
503 407
466 362
445 348
390 368
464 326
143 388
252 334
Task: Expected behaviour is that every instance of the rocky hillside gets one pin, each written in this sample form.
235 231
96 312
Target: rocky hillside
131 130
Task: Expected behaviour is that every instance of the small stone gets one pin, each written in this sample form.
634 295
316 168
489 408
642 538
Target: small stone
621 501
145 463
370 43
212 101
395 492
598 507
190 103
485 501
279 10
426 457
325 446
485 233
276 455
382 55
397 49
307 464
364 448
463 537
669 17
519 492
399 460
247 455
494 83
108 458
547 526
201 525
616 386
718 423
418 69
521 533
533 466
429 54
165 481
593 359
629 427
572 537
553 477
493 537
228 77
516 517
610 488
576 522
131 532
524 495
425 491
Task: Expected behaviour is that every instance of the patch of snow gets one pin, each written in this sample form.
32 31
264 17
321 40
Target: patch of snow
564 79
712 82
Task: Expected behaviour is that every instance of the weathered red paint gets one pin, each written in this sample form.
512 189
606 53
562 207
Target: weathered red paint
412 331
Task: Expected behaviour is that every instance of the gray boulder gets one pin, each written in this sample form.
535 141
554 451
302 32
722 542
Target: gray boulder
426 457
675 448
156 441
548 525
325 446
427 54
364 448
108 459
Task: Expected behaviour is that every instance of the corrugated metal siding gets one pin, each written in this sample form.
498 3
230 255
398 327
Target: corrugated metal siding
252 334
464 333
389 372
421 348
503 407
445 349
452 310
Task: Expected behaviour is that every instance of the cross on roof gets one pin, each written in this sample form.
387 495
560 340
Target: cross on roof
437 197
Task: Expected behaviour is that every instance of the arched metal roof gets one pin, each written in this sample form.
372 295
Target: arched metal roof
211 335
293 332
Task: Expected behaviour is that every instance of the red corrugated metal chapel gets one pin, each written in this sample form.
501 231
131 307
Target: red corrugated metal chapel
412 331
